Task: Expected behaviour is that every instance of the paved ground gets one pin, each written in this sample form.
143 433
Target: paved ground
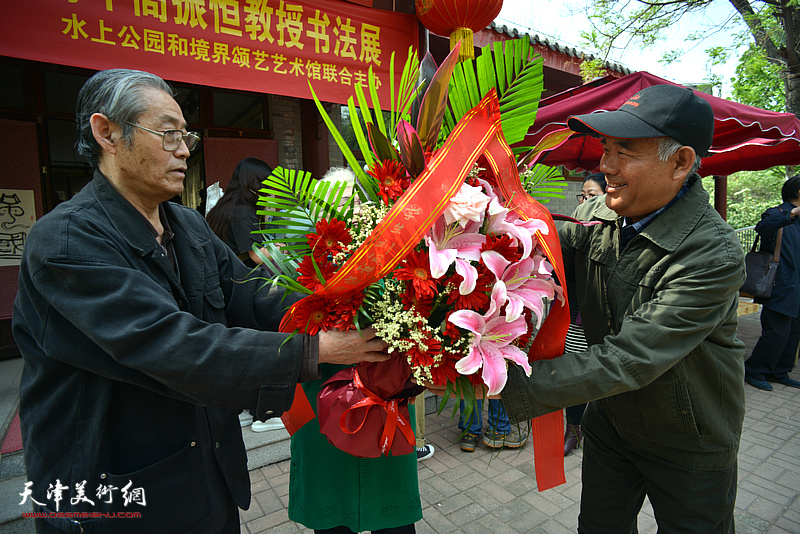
495 492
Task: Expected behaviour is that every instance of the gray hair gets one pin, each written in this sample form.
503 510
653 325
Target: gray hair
117 94
667 146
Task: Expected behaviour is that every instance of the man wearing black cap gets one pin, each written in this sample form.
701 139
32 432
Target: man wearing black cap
657 285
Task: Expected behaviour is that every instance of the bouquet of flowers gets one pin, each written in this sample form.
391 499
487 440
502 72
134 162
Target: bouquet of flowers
440 249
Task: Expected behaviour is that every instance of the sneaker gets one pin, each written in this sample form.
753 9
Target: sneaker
424 452
512 440
245 419
269 424
469 442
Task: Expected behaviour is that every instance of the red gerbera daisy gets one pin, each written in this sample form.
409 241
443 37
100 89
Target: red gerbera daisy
417 270
424 358
451 330
329 239
308 275
424 306
392 179
314 314
504 245
445 370
478 300
346 310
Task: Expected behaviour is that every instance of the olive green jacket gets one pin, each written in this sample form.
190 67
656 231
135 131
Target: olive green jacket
660 319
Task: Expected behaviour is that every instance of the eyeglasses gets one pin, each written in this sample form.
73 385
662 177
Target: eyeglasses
581 197
171 139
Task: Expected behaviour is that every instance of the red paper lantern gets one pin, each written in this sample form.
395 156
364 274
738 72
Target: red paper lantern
458 19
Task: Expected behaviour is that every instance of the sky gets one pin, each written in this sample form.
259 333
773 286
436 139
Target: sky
552 19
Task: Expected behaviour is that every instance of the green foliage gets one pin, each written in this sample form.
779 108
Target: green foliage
515 71
591 69
295 203
750 193
543 183
758 82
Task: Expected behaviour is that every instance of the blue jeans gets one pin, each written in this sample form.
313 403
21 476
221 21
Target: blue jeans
498 419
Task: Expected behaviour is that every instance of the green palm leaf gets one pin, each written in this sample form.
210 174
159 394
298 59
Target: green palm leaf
543 183
294 203
515 71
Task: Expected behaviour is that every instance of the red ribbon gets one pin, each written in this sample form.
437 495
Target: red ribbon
548 429
394 420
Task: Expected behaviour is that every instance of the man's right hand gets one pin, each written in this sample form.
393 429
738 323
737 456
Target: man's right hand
350 347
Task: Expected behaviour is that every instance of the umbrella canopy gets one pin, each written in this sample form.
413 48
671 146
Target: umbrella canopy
745 138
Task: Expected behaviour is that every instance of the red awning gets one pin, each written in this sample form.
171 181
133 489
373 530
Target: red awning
745 138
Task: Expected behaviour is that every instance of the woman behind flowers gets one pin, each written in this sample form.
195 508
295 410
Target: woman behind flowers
234 217
333 492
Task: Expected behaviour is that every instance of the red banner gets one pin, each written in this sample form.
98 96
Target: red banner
266 46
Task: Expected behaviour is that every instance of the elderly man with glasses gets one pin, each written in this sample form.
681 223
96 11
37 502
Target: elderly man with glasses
140 342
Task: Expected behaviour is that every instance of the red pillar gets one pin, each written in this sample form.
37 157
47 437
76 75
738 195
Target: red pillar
721 196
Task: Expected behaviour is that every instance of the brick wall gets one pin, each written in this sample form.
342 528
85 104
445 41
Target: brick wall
285 119
568 204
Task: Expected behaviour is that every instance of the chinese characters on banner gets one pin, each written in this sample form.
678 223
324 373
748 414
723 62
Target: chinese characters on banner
267 46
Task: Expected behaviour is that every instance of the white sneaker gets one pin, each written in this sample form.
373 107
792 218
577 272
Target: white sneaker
245 419
269 424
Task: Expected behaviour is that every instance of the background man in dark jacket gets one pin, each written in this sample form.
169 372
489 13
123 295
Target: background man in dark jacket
657 286
140 343
774 354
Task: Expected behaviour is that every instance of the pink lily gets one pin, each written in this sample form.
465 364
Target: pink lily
448 243
528 283
490 345
500 220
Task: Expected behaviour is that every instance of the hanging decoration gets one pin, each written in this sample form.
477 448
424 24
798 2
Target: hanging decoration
458 19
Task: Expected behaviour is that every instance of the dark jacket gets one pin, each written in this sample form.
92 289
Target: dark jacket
133 373
786 291
660 319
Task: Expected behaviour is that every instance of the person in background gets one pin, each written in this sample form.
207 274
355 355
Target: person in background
139 340
657 283
594 185
333 492
500 433
775 352
234 218
424 450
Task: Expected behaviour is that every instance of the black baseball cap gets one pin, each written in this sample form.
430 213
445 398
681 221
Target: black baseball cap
655 111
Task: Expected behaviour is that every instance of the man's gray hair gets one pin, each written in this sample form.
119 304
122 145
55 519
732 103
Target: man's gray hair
667 146
117 94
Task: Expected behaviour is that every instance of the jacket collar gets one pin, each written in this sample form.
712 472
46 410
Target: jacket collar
670 228
123 217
